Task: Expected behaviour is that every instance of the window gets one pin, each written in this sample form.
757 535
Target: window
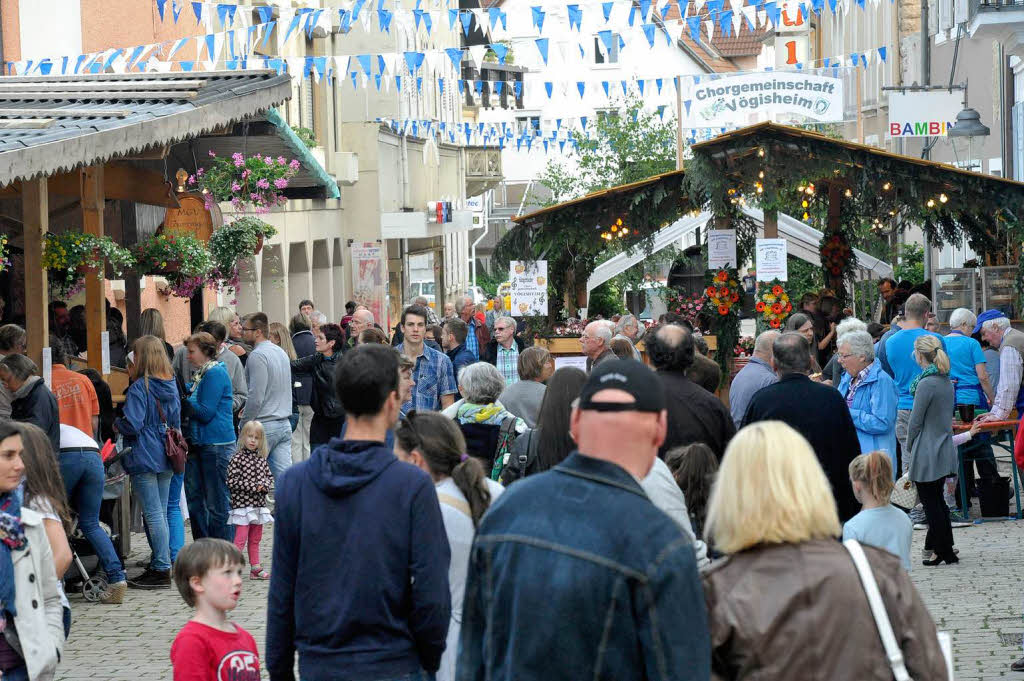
526 124
612 56
606 114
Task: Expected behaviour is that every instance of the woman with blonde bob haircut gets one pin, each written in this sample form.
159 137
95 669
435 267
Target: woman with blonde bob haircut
772 510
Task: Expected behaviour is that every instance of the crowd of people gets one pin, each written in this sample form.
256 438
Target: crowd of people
447 504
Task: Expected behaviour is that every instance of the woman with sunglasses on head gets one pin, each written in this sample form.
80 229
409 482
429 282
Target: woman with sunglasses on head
434 443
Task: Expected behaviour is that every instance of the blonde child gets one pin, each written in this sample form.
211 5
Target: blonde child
249 481
879 523
208 575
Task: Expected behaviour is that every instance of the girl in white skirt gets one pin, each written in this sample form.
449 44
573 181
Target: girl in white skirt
249 481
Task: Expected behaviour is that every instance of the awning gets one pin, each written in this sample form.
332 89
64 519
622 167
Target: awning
801 241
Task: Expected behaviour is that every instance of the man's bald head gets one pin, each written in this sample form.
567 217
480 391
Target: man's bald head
792 354
763 345
670 348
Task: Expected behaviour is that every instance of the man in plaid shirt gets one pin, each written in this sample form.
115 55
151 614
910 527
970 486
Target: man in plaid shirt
432 372
503 350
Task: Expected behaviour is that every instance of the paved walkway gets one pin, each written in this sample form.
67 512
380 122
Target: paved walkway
978 601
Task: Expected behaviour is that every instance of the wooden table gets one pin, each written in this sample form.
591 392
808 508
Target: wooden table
994 427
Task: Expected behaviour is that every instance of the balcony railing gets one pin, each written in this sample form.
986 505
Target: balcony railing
978 6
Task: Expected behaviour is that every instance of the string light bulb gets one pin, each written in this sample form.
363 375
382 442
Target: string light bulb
804 203
943 198
760 152
886 187
806 216
760 175
931 203
848 193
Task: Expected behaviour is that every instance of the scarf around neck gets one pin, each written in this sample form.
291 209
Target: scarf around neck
12 538
930 370
201 371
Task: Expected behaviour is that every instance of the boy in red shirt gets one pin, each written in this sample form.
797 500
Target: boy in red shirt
208 574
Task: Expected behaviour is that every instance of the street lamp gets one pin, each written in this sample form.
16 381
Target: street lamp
968 124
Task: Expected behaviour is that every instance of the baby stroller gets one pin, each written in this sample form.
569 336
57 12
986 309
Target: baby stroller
94 587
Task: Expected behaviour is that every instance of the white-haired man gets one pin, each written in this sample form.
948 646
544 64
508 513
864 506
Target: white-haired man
362 319
431 315
477 336
628 327
597 343
996 331
503 350
758 373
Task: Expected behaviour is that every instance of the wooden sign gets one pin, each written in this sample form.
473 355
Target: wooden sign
191 217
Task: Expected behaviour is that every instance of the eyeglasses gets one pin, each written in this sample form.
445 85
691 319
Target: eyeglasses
248 328
842 356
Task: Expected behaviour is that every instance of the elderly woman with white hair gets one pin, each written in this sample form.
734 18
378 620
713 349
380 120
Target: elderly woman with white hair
833 371
870 394
490 429
967 361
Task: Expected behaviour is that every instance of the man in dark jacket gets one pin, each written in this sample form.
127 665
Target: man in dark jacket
305 346
360 579
453 340
504 338
581 548
815 411
694 414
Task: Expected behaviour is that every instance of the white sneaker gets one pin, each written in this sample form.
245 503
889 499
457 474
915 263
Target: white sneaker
920 526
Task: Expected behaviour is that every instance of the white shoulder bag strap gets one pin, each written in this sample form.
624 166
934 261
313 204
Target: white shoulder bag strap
867 579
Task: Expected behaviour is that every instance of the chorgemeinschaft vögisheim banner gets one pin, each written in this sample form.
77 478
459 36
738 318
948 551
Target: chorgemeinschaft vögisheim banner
750 98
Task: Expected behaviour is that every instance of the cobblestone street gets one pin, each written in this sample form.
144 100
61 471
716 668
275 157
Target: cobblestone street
978 601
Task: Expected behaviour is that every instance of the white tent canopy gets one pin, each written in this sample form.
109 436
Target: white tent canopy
801 241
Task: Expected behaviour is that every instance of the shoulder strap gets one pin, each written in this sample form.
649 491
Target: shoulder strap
160 410
508 426
867 579
455 502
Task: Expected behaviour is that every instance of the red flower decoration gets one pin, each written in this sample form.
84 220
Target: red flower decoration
759 307
723 310
712 291
777 290
734 297
774 323
789 307
723 276
723 292
777 308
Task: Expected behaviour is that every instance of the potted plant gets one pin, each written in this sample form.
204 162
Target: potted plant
181 258
233 242
255 181
70 255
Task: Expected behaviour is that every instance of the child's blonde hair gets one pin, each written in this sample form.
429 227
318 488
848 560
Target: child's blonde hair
257 428
874 471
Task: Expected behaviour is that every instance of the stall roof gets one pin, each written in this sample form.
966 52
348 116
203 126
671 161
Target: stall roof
802 239
55 124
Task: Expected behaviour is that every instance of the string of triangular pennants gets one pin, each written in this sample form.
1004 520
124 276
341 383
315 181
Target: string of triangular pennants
729 15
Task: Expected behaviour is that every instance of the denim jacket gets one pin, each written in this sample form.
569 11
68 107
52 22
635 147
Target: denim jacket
574 574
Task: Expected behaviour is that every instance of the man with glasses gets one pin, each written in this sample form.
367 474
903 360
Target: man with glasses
352 515
362 319
596 341
268 374
478 336
503 350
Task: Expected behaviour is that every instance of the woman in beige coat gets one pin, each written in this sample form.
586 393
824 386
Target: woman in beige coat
787 603
33 634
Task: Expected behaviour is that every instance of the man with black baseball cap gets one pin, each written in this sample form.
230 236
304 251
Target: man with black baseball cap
581 546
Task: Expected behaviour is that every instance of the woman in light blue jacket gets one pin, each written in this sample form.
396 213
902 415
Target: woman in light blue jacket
870 394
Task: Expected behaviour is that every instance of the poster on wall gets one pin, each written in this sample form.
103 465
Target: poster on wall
721 248
369 279
529 287
771 260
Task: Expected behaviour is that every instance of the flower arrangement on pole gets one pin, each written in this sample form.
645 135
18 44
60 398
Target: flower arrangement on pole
70 255
773 305
181 258
837 259
722 304
233 242
255 181
686 305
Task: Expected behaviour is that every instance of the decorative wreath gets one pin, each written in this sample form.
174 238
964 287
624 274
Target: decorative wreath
773 305
722 296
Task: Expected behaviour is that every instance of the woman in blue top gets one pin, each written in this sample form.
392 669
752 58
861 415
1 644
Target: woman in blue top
870 394
879 523
213 434
967 360
147 464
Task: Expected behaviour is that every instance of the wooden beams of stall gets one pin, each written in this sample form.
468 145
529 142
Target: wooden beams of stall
35 208
95 298
123 181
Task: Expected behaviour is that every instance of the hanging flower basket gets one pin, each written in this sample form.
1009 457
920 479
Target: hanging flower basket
181 258
69 256
234 242
255 182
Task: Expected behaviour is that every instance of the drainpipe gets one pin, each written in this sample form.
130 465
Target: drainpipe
926 80
487 227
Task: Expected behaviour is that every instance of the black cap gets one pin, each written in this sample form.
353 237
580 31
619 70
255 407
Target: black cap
624 374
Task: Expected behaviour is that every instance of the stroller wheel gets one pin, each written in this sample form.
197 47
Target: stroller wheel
94 588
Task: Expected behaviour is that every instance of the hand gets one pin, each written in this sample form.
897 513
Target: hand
261 488
985 417
975 427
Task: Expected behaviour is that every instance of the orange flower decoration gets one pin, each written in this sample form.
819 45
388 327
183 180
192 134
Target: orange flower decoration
777 290
723 292
712 291
759 307
774 323
734 297
723 276
789 307
723 310
777 308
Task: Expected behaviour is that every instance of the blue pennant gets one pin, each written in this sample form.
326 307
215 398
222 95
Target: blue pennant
581 86
538 18
604 84
376 79
686 103
467 21
428 23
500 51
226 14
606 8
625 87
606 38
575 16
645 8
542 47
494 14
186 65
417 17
455 54
547 88
517 87
176 10
384 19
882 53
292 26
419 84
649 33
398 83
499 87
160 8
694 25
197 9
640 83
478 87
265 13
658 82
414 60
725 21
440 87
453 14
462 87
365 63
583 122
266 33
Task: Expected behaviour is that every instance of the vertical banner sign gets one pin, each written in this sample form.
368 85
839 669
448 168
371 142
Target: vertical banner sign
529 287
721 248
771 260
105 347
48 368
368 277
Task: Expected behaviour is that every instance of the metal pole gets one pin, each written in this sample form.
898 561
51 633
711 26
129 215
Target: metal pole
487 226
926 79
679 123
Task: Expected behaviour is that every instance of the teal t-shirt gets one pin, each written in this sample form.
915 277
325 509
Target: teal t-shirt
886 527
964 353
899 351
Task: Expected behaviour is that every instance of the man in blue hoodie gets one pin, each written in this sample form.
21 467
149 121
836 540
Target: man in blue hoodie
360 581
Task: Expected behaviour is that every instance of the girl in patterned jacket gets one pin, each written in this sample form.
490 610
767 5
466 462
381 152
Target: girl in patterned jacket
249 482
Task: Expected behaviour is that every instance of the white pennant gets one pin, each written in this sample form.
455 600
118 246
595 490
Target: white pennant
737 20
710 27
477 53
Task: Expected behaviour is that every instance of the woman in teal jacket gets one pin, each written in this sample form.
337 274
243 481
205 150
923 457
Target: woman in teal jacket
213 439
870 394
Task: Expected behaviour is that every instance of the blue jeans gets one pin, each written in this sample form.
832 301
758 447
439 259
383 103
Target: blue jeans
152 490
206 490
83 475
175 520
415 676
19 674
279 442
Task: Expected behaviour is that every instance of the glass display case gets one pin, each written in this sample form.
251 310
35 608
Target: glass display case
999 290
953 288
